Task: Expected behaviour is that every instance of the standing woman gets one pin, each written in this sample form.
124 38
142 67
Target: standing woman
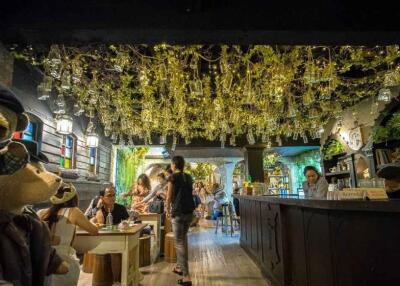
315 186
180 207
63 217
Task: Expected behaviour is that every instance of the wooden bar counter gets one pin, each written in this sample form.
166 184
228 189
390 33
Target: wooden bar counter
322 243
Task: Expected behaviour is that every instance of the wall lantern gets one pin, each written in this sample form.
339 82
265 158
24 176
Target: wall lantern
92 140
64 125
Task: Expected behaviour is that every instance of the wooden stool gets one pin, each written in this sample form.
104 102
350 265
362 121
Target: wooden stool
170 253
102 274
88 261
144 250
168 225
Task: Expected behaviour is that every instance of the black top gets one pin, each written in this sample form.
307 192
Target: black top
394 195
119 213
182 194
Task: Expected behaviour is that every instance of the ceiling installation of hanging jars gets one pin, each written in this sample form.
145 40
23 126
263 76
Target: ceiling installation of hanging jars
211 92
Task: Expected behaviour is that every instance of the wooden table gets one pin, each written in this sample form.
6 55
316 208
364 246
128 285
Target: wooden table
153 219
115 241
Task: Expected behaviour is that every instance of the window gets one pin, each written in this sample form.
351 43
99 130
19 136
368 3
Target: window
30 133
93 159
67 152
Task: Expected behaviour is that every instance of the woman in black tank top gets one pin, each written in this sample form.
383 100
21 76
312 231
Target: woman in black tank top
180 206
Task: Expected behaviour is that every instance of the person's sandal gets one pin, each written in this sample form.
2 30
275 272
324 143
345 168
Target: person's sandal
184 283
177 272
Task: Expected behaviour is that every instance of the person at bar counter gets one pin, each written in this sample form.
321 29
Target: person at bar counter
180 206
315 186
391 174
119 213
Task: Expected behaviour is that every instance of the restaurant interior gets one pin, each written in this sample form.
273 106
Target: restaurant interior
256 97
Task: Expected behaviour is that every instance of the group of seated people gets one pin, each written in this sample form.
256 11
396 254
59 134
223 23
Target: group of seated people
211 202
64 216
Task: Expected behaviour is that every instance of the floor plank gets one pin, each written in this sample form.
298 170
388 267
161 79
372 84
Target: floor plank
214 260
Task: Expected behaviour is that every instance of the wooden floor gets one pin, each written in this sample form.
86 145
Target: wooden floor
214 260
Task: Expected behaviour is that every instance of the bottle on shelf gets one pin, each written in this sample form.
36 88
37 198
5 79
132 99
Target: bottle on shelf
109 220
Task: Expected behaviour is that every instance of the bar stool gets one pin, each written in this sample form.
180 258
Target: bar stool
227 213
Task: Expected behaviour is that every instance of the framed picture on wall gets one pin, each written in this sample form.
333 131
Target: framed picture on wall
355 139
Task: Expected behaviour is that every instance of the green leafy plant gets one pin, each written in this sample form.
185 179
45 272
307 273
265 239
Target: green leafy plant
333 148
200 171
270 160
390 131
380 134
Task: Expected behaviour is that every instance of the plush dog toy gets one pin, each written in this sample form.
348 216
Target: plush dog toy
13 155
26 256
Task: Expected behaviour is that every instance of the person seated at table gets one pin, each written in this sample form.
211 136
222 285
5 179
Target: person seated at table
391 174
119 213
219 200
107 204
138 192
91 210
236 191
315 186
63 217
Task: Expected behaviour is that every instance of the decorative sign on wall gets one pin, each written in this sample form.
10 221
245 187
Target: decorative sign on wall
355 139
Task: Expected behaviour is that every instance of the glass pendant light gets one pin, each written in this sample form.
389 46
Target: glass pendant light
64 124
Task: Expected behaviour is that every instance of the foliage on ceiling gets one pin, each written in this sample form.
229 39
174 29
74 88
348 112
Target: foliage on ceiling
212 92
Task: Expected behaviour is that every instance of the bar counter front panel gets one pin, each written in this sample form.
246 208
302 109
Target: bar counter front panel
317 242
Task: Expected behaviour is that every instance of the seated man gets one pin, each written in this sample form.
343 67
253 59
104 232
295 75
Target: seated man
219 200
119 213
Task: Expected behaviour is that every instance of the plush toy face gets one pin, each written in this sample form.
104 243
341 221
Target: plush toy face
11 122
30 185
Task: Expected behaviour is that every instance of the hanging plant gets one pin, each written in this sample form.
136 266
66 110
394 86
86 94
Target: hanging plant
332 149
389 132
380 134
201 171
270 160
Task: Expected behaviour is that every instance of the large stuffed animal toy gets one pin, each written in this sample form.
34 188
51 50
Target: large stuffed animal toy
26 255
13 155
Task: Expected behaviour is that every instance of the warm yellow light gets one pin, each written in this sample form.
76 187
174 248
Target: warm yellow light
64 125
92 140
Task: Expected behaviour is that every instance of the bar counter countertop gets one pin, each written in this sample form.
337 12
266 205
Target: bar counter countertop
298 241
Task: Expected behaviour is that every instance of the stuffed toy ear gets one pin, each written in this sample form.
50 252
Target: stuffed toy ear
22 123
4 127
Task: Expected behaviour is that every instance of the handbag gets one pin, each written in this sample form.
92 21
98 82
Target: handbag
156 206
